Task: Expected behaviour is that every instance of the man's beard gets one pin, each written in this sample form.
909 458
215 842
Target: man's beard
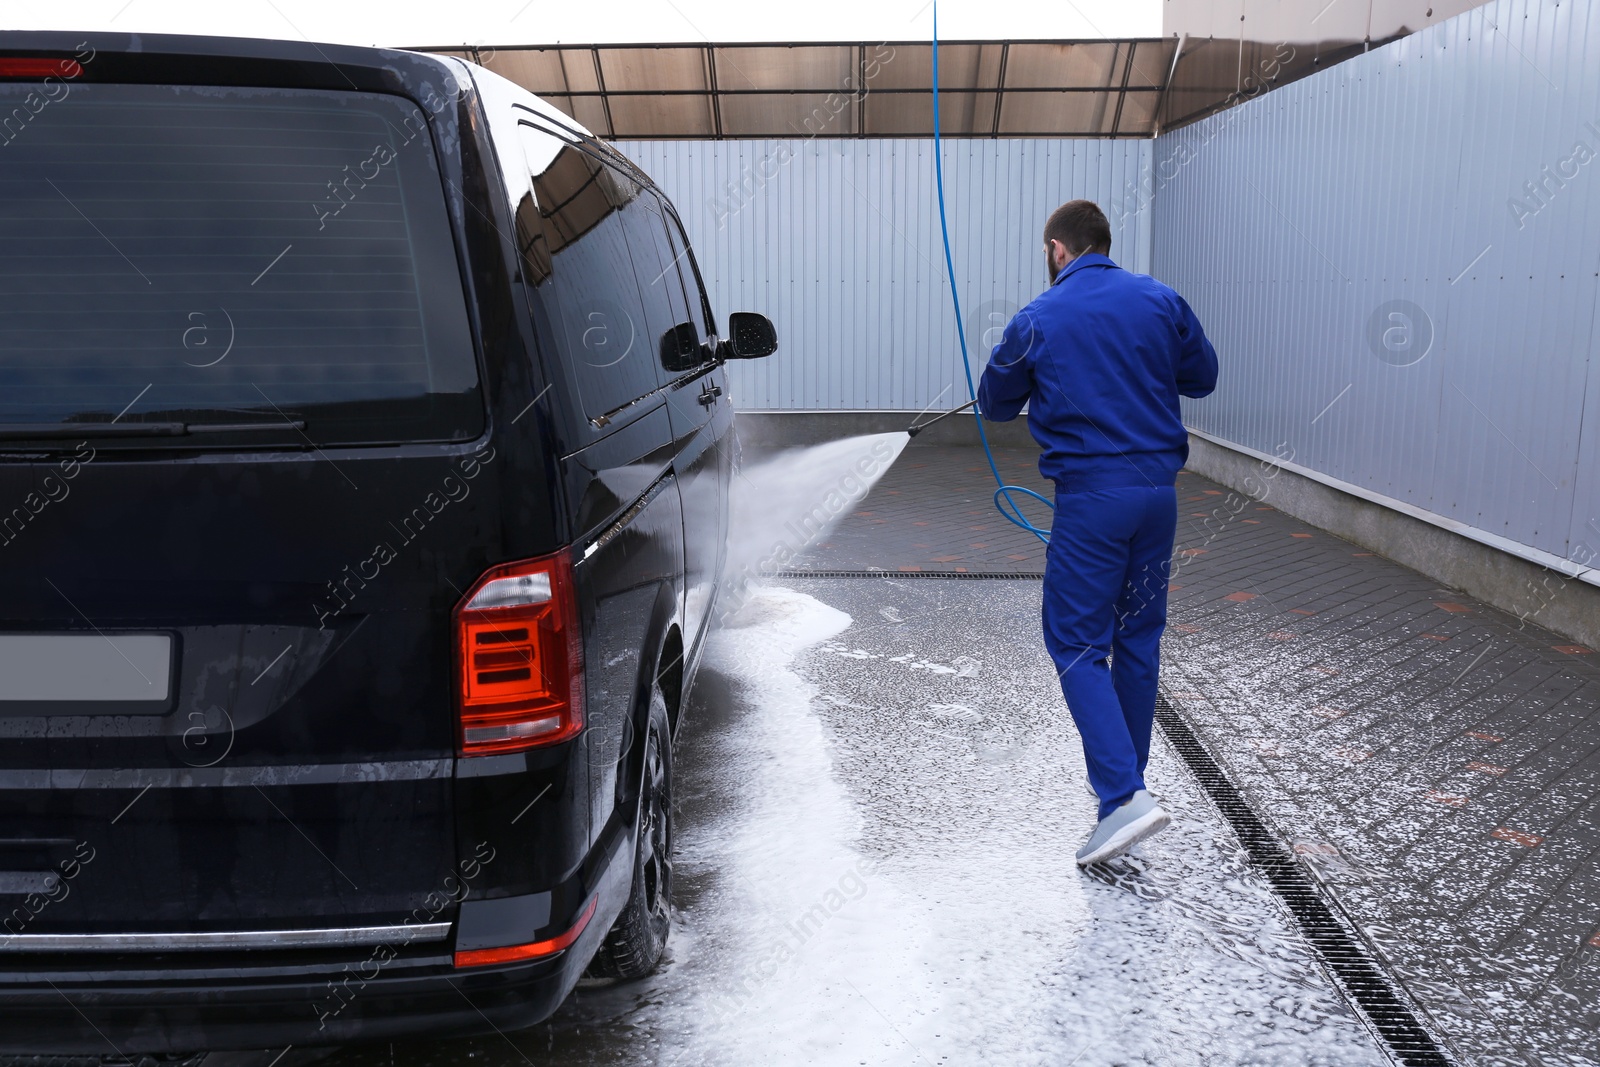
1049 268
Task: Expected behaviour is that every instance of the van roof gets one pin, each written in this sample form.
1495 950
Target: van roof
301 64
67 41
142 57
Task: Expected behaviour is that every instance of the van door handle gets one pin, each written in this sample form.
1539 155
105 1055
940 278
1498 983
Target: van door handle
709 394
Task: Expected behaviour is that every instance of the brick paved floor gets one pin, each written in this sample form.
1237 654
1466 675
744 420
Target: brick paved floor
1434 763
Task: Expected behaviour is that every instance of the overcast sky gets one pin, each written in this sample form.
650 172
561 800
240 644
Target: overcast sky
504 22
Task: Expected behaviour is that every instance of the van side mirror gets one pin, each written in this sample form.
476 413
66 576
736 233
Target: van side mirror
751 337
680 348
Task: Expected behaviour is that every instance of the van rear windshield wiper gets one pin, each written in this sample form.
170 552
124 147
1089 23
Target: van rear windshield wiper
243 427
24 431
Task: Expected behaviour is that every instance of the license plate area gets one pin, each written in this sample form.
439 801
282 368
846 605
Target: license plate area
87 674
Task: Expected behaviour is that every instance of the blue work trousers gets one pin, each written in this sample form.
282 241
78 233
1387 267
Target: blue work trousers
1105 595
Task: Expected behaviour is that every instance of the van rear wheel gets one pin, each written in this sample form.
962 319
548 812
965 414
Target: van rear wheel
636 942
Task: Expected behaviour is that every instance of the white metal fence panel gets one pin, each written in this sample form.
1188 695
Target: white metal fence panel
1398 259
837 241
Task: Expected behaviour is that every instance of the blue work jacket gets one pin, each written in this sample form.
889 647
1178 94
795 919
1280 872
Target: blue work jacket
1100 358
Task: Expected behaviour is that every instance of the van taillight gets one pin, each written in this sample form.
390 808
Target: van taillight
519 658
33 67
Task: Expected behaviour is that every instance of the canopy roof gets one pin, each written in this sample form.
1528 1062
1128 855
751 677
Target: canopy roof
1091 88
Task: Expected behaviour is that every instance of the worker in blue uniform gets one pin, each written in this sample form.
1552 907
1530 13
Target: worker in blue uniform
1100 359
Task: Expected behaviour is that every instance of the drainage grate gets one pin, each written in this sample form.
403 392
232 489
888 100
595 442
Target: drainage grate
1005 576
1343 954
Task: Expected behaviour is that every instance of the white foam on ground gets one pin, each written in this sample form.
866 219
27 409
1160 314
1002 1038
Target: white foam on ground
874 865
973 780
815 944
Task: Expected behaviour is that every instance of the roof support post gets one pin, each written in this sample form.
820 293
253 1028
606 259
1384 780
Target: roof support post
861 90
1000 89
1127 70
1161 99
716 97
605 100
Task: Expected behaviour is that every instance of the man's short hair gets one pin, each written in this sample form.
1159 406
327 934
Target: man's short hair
1081 227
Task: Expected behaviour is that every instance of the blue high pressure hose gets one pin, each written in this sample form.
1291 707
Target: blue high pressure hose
1002 494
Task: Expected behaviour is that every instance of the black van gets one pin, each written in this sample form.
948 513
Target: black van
364 462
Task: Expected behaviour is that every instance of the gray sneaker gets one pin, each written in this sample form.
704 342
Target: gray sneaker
1122 829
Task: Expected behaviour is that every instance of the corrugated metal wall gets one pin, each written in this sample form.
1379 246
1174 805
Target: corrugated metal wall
837 241
1399 262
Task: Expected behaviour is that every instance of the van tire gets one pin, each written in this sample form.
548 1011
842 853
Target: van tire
634 946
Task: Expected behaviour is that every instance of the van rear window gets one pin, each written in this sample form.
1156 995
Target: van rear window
202 266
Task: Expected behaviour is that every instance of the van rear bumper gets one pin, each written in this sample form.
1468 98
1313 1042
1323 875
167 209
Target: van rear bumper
257 1006
183 1015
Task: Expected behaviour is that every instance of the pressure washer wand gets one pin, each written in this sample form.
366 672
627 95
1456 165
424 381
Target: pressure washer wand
913 431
